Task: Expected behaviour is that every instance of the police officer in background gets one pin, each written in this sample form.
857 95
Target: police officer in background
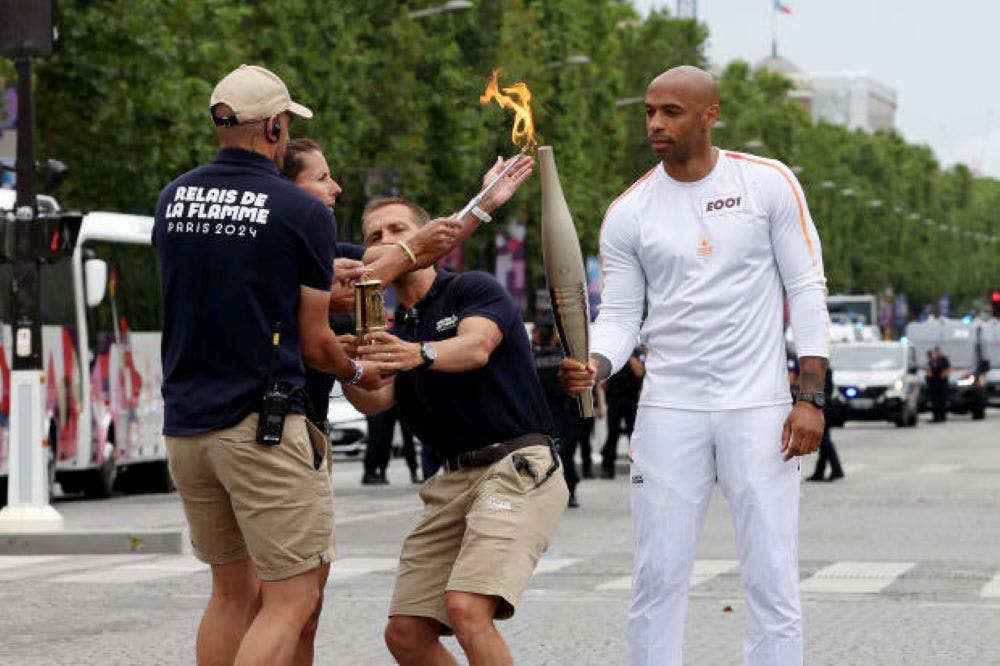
938 370
566 420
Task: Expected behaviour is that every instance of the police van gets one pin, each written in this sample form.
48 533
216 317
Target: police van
101 407
960 341
989 345
874 381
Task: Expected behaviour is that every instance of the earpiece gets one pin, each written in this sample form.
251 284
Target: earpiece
275 132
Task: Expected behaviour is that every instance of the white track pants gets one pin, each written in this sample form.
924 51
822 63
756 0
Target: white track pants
677 457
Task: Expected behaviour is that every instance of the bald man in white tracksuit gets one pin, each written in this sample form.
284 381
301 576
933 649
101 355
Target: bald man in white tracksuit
712 257
716 390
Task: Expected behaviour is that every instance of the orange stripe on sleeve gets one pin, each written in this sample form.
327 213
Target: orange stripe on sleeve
600 232
802 219
798 201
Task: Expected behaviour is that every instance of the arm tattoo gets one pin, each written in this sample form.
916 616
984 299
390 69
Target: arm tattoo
603 367
812 374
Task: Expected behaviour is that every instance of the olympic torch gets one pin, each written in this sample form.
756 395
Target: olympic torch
564 270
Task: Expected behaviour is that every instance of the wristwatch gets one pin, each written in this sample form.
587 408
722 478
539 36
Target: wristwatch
817 399
429 353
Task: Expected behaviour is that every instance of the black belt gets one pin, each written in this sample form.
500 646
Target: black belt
488 455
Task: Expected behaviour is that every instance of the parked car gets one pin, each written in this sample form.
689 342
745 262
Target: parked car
347 427
989 341
874 381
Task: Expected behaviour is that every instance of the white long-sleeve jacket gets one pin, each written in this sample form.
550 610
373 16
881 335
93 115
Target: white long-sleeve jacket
711 258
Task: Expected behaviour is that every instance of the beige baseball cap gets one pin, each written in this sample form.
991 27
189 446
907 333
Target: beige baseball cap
255 93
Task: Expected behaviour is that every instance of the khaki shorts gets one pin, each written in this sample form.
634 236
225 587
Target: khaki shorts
243 498
482 531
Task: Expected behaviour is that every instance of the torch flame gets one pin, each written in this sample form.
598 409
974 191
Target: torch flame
523 132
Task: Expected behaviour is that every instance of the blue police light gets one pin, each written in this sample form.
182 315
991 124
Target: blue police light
904 339
851 392
967 319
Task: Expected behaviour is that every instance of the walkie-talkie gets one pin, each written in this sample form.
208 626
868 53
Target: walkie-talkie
276 402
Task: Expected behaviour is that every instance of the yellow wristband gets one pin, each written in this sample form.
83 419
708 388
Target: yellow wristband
407 250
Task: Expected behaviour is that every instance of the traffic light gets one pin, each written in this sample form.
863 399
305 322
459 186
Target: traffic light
54 235
995 302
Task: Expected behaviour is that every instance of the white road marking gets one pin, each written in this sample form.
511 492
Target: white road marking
10 561
45 567
126 572
703 570
856 577
623 583
937 469
352 567
551 564
708 569
992 588
365 517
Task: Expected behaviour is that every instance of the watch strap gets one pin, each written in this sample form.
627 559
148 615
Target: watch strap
816 398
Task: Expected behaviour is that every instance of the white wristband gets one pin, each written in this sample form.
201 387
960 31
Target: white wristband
483 216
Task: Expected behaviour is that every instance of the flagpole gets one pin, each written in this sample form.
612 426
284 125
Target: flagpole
774 30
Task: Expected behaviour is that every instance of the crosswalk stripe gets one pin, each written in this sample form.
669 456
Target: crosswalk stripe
352 567
11 561
846 577
130 571
551 564
623 583
937 469
703 570
992 588
855 577
708 569
47 567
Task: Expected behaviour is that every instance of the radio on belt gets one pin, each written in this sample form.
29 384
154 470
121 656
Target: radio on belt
276 403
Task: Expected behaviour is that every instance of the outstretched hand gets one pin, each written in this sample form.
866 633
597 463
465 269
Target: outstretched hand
509 184
345 273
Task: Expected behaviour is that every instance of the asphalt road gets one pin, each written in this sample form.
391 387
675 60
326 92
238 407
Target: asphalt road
900 564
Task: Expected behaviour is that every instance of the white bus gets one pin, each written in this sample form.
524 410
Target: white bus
102 404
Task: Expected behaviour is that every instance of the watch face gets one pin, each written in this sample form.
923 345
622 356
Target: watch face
429 352
817 399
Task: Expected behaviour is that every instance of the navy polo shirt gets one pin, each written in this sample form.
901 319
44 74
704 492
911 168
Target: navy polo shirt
454 412
235 241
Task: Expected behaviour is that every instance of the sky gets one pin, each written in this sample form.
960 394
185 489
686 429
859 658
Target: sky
940 57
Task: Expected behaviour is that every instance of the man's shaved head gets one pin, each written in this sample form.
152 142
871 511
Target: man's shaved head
682 105
698 85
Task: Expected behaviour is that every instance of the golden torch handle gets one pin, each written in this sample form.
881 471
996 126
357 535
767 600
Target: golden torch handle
570 309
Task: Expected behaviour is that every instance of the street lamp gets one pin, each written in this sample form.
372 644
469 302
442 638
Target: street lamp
575 59
450 6
629 101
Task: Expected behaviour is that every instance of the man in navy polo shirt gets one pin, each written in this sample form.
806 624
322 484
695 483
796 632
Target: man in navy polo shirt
246 261
467 386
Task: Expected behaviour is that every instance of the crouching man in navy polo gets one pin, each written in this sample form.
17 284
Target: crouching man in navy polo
467 386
